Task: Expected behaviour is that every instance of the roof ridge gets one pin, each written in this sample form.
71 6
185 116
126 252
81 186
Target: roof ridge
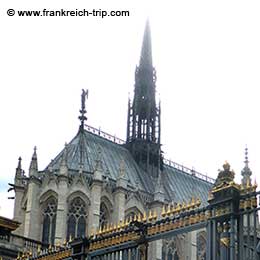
186 170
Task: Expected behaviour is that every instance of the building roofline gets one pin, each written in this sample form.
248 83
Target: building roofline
167 162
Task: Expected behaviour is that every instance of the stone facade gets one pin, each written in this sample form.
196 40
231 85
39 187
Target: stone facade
94 182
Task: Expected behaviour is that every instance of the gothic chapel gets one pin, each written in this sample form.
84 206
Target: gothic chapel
98 179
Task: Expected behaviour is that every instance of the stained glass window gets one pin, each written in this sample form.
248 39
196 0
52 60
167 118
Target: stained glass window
77 216
49 221
104 215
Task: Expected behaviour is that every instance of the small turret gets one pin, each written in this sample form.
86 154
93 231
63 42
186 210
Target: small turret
246 172
33 170
19 173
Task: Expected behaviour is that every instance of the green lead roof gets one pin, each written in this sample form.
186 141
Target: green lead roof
87 147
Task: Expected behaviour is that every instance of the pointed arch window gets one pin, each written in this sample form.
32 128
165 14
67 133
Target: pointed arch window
104 215
169 250
49 221
77 218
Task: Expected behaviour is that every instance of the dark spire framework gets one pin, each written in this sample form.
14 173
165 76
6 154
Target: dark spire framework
143 126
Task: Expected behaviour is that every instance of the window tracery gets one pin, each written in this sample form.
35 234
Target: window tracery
169 250
104 215
49 221
77 218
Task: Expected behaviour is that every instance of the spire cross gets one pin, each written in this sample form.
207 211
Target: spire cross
83 111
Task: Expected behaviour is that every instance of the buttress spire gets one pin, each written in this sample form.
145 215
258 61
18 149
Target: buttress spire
33 170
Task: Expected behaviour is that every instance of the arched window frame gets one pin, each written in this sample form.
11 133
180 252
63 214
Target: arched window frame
104 215
49 213
76 218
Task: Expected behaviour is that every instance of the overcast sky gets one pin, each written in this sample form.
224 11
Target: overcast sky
207 57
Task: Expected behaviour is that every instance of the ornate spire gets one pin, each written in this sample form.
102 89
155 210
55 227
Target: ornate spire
143 123
246 172
33 170
83 111
146 53
19 173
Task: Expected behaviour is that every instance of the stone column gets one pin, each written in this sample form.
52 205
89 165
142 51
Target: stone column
61 219
19 193
120 195
32 223
155 247
190 245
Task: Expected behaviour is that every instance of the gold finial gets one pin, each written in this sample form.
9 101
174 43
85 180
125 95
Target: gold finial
155 215
169 210
178 208
163 211
119 225
135 217
130 219
150 216
39 249
248 185
189 205
255 184
226 166
114 229
184 206
64 242
139 217
100 230
144 217
111 228
49 247
198 202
